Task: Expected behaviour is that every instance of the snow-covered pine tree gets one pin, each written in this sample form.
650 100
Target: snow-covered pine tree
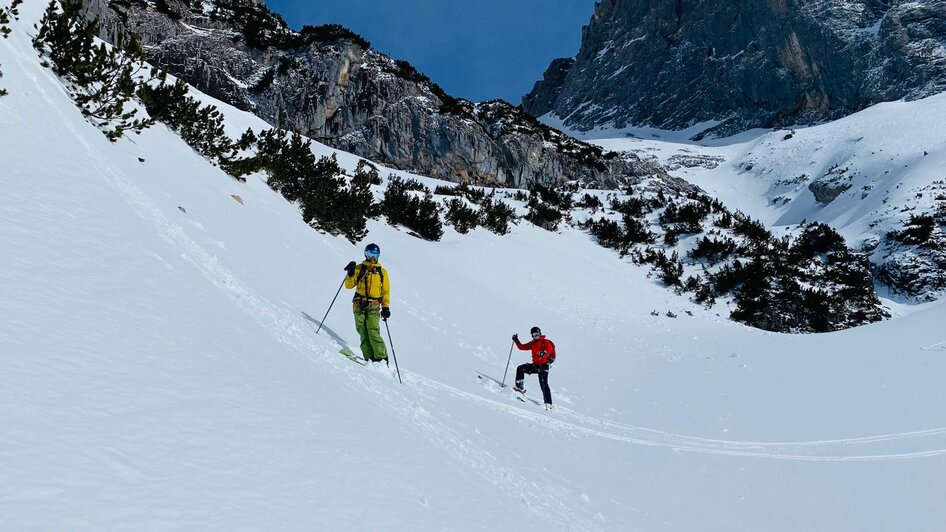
102 80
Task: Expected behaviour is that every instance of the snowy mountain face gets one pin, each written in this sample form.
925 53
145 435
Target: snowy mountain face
876 176
732 66
328 84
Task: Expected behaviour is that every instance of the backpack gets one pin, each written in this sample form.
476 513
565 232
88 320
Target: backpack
551 353
361 275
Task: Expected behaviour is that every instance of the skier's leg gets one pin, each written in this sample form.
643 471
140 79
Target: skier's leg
361 325
374 333
544 383
520 374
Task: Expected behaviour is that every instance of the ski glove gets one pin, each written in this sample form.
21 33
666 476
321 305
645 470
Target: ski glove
515 338
350 268
385 313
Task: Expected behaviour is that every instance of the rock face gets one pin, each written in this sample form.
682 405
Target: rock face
917 273
546 92
328 84
744 63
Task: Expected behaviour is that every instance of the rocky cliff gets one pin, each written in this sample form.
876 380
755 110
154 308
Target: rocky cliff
744 63
328 84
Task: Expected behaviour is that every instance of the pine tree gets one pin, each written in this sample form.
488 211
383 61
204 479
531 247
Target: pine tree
462 217
200 127
428 225
403 208
287 161
367 172
326 203
497 216
670 268
237 165
5 15
323 203
917 231
101 80
549 206
357 203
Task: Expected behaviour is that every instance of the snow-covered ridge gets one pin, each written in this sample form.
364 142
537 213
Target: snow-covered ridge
865 175
162 371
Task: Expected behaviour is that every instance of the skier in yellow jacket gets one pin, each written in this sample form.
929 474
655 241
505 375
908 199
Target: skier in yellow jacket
371 303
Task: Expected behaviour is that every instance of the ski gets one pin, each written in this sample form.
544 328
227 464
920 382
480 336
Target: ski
347 353
524 398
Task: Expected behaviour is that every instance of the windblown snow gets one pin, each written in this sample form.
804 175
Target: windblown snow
162 371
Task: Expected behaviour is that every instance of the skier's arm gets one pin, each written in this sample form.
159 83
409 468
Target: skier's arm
352 280
385 289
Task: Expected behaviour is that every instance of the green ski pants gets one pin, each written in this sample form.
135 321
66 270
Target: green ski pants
368 324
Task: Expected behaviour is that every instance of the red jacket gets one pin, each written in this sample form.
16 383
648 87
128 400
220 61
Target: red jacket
540 345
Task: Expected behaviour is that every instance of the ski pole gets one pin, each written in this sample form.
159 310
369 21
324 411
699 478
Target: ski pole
393 354
330 306
507 364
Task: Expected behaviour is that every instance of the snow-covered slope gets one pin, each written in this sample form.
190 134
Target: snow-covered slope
864 174
161 369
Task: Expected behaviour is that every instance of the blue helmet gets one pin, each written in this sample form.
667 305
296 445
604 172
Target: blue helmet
372 250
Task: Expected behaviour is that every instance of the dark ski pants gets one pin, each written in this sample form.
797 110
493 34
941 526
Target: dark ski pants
543 371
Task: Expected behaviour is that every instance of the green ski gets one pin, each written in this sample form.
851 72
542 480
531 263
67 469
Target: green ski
352 356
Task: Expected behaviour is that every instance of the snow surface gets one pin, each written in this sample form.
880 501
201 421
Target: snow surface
161 369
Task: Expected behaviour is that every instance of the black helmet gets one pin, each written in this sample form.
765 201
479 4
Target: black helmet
535 330
372 250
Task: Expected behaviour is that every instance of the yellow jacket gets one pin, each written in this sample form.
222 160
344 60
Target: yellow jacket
373 284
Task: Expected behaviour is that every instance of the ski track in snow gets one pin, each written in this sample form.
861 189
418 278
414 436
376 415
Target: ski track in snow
695 444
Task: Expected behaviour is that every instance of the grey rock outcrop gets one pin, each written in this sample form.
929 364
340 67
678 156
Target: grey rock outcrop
917 273
740 64
328 84
826 191
546 91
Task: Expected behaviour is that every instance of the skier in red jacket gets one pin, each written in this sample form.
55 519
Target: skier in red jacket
543 354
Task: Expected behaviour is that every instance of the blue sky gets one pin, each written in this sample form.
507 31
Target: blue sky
475 49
